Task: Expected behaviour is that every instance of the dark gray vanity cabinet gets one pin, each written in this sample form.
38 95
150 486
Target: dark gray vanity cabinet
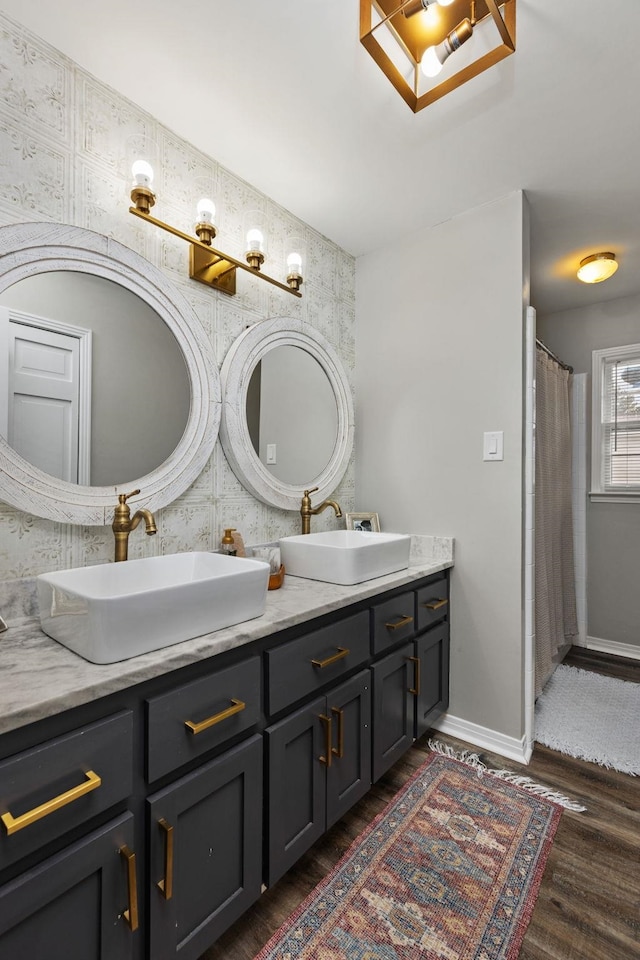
319 764
142 824
432 676
411 683
393 708
205 842
77 905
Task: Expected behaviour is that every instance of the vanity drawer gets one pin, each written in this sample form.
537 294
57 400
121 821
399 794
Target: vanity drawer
393 620
198 716
432 602
57 786
302 666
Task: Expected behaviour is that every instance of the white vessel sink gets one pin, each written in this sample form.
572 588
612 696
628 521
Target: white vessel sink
115 611
345 556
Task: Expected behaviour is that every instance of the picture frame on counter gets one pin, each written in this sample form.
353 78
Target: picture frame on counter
367 522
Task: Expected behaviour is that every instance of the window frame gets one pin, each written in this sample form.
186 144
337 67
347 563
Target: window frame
599 360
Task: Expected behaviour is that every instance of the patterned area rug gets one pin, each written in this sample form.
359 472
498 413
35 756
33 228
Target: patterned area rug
451 870
587 715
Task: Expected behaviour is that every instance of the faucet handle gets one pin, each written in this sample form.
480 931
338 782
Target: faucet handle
123 497
313 490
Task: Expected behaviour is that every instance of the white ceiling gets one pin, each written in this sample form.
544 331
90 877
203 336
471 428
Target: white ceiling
283 94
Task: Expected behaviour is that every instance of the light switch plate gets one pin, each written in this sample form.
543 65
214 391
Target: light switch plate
493 448
271 453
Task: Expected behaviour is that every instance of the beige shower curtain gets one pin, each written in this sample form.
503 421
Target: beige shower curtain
555 605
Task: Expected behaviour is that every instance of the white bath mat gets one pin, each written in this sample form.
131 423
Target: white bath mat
592 717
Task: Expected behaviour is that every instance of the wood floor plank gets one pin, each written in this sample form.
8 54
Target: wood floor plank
588 907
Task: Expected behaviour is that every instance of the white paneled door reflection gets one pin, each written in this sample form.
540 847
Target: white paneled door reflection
39 409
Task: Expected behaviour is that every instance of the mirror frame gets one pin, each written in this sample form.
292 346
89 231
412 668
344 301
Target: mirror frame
239 363
27 249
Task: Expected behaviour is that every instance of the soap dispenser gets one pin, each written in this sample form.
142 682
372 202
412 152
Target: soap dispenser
228 545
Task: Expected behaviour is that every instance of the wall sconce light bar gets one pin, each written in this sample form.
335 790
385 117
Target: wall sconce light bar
407 31
210 266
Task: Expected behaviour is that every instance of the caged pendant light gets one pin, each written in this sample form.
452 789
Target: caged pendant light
411 41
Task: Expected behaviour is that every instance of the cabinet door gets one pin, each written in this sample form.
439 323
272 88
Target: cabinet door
206 852
297 754
71 907
432 651
349 776
393 708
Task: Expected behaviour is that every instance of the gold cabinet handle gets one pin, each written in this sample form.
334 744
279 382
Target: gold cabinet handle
402 622
339 752
328 750
166 884
13 824
415 690
131 915
236 707
340 655
435 604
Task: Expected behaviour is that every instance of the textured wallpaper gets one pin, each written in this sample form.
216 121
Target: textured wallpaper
62 146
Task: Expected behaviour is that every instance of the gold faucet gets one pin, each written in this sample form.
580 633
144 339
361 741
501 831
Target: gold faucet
307 511
124 523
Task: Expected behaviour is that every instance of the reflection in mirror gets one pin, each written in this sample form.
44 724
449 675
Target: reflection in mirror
320 417
99 391
292 415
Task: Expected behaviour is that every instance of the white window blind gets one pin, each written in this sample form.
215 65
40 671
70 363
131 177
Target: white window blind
616 421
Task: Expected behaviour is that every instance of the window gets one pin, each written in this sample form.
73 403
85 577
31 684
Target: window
615 446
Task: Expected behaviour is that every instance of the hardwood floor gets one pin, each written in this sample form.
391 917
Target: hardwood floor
588 907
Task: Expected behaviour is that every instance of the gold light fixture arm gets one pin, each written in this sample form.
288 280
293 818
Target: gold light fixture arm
494 10
209 265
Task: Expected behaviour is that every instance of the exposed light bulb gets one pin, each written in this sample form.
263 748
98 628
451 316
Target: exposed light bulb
255 239
142 173
434 57
206 210
294 263
432 60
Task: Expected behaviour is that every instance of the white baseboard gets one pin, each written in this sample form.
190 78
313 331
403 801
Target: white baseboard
629 650
485 738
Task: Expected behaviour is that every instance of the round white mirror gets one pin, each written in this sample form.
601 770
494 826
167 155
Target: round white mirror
287 414
133 392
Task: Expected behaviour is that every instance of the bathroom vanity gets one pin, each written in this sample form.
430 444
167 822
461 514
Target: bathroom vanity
144 804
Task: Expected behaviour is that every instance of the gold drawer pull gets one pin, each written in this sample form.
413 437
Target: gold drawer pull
415 690
13 824
131 915
166 885
340 655
402 622
435 604
237 706
328 749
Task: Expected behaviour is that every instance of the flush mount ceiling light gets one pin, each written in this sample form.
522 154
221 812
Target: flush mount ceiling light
597 267
411 42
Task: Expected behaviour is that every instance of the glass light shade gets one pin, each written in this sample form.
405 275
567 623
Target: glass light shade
445 3
255 228
295 252
142 172
597 267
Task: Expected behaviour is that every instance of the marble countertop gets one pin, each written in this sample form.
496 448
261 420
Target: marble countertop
40 678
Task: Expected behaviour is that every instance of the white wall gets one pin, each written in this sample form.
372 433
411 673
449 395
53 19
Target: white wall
439 342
